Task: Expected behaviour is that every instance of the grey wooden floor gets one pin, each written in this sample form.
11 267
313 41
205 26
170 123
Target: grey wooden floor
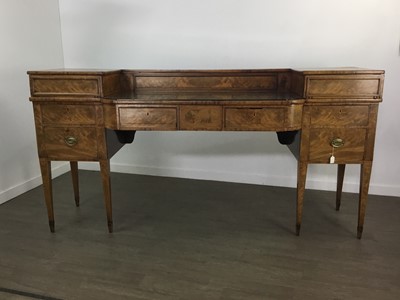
188 239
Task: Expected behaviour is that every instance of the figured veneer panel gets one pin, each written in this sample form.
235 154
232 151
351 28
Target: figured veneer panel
343 86
339 115
271 118
209 82
195 117
351 152
112 84
294 115
59 85
68 114
147 118
56 147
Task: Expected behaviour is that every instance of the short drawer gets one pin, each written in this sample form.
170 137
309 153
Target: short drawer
60 85
339 116
53 114
352 150
147 118
344 86
271 118
70 143
200 117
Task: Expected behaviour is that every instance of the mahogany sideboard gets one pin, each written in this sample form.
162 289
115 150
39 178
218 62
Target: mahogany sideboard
324 116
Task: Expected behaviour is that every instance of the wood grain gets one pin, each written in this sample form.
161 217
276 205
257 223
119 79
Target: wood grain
147 118
196 117
321 149
339 116
68 114
65 85
271 118
93 108
57 149
208 82
343 86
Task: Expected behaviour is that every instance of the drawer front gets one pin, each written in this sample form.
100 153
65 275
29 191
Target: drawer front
254 118
70 143
59 85
344 86
325 116
200 117
68 114
147 118
352 150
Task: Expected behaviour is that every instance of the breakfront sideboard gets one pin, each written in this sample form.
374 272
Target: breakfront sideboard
324 116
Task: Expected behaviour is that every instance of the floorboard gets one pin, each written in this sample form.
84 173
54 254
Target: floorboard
190 239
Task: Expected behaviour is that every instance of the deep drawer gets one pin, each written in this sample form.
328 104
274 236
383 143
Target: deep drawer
352 150
70 143
53 114
339 116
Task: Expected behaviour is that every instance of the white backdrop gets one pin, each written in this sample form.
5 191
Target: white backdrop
30 38
209 34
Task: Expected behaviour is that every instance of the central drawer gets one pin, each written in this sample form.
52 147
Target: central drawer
197 117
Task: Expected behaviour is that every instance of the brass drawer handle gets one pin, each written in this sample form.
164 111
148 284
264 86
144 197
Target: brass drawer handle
337 143
70 141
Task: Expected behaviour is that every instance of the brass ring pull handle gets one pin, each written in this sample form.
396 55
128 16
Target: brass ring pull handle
70 141
337 143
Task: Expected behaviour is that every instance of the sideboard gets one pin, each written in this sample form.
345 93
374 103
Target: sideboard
324 116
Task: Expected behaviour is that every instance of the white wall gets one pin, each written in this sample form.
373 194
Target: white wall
181 34
30 39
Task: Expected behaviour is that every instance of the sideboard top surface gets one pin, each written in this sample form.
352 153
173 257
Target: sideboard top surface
306 71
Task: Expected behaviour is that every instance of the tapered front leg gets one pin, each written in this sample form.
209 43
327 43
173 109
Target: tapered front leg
105 176
339 185
301 185
365 176
45 167
75 180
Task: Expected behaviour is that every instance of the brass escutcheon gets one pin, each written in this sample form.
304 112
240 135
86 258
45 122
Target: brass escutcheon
337 143
70 141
